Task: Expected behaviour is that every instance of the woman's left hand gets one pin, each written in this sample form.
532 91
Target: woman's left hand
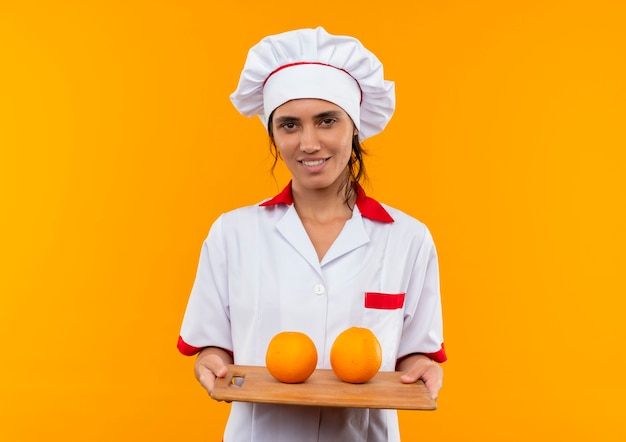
422 367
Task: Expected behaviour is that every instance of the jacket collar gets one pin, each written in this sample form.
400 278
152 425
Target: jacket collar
369 207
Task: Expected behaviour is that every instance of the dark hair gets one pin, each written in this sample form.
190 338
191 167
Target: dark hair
356 165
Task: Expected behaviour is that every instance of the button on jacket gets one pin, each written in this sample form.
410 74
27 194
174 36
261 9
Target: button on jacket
259 275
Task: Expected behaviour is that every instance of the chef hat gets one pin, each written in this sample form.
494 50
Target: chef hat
311 63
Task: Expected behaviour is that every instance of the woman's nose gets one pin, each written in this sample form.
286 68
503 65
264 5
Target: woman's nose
309 143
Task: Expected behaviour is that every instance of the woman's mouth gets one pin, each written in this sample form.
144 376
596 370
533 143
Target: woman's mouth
312 163
314 166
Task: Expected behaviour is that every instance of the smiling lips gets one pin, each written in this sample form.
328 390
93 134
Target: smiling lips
313 163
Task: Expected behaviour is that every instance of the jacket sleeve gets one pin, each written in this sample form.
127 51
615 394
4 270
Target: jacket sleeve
423 326
207 318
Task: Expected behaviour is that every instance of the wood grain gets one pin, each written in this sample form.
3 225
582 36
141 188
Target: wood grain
323 388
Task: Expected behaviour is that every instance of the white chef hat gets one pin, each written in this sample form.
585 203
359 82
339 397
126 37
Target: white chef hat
311 63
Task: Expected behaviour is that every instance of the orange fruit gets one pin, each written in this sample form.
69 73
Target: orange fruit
356 355
291 357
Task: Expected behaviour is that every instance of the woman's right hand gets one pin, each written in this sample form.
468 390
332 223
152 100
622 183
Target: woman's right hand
211 364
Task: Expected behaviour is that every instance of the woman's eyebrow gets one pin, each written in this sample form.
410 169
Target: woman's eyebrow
286 118
327 114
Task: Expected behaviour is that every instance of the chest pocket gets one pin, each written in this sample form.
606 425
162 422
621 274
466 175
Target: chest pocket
384 301
383 314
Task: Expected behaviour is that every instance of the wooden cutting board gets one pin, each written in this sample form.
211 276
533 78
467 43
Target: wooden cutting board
323 388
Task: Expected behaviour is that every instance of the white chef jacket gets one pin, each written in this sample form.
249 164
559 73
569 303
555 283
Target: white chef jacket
259 274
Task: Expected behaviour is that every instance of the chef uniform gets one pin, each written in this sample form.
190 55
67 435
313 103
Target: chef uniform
259 273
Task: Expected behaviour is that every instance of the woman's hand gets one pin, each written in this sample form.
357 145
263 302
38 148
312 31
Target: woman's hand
422 367
211 364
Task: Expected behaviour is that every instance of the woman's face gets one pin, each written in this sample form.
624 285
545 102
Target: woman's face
314 139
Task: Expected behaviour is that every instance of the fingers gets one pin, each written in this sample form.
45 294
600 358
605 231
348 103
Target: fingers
208 367
206 378
415 368
428 371
433 383
409 378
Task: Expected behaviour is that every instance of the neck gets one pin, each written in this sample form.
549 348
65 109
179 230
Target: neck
322 204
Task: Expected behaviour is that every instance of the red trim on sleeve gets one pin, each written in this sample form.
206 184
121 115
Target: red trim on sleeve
190 350
384 301
186 349
439 356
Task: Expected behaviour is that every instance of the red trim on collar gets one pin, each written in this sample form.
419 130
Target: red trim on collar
369 207
284 197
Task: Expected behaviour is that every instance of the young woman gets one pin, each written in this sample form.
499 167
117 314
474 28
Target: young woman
321 256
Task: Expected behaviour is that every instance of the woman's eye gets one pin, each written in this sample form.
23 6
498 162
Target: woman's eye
327 121
288 125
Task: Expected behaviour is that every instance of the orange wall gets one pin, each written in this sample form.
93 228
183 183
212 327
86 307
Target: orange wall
119 147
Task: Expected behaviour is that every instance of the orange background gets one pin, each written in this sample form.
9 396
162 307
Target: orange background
119 147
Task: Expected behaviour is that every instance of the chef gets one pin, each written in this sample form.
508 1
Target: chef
321 256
